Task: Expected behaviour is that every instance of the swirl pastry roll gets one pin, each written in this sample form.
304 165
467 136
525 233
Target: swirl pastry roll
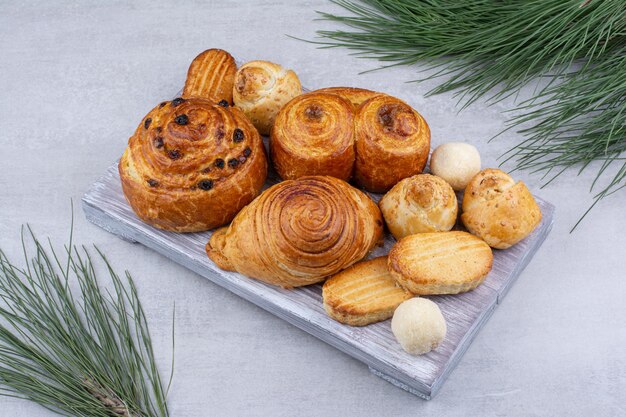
499 210
192 165
354 95
211 75
419 204
313 135
392 143
298 232
262 88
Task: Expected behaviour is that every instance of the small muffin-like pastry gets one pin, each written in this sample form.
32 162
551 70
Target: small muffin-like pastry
418 326
298 232
419 204
211 75
262 88
362 294
455 162
356 96
392 143
499 210
440 262
314 135
192 165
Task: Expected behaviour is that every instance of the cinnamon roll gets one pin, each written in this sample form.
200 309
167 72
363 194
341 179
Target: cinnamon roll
419 204
191 165
392 143
211 75
261 89
314 135
299 232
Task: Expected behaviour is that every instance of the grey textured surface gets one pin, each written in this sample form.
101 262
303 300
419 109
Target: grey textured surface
104 204
77 77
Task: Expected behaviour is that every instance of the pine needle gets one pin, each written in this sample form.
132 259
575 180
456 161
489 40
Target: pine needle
575 52
78 352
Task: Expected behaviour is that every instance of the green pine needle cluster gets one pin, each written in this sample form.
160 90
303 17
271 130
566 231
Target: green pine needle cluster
82 352
573 50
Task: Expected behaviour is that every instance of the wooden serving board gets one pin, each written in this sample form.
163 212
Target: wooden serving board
105 205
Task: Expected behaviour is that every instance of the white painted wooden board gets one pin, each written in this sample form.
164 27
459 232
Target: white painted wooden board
105 205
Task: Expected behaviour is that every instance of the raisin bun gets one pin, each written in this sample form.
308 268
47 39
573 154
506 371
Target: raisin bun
192 165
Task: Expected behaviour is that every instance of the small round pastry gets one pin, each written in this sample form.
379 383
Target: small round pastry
314 135
356 96
211 75
191 165
299 232
499 210
455 162
419 204
392 143
261 89
418 326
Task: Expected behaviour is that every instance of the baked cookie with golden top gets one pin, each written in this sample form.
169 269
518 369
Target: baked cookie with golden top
362 294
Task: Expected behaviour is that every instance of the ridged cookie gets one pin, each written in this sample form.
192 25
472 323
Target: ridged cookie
440 263
362 294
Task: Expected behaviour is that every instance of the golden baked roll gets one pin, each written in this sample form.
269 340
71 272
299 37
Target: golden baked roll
419 204
392 143
191 165
499 210
354 95
313 135
261 89
440 262
362 294
299 232
211 75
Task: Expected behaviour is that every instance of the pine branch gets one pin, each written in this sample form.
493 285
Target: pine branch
82 352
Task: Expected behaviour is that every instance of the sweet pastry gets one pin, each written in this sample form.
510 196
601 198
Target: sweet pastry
262 88
314 135
298 232
392 143
354 95
191 165
499 210
419 204
362 294
455 162
440 262
418 326
211 75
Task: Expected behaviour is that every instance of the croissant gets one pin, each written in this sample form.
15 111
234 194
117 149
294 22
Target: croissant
419 204
354 95
299 232
392 143
211 75
498 210
314 135
191 165
261 89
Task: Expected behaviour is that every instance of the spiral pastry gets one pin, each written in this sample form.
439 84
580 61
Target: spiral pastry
354 95
299 232
192 165
499 210
392 143
211 75
419 204
262 88
314 135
